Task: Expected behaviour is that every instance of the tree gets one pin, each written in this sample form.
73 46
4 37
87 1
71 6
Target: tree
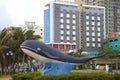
78 53
18 36
4 40
10 40
111 54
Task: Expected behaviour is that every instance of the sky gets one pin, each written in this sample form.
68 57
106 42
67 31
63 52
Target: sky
16 12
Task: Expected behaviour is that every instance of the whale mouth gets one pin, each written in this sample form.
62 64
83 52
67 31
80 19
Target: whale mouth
24 47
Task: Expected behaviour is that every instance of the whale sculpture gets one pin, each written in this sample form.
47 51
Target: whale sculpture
46 54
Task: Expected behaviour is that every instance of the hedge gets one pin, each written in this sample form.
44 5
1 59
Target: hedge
25 75
71 76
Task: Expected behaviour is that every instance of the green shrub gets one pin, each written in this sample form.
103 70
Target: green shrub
25 75
117 76
71 76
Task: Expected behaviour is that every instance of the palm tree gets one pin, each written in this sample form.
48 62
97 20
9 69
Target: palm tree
18 36
4 39
10 40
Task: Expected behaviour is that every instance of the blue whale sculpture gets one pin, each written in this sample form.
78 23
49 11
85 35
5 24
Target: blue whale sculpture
45 53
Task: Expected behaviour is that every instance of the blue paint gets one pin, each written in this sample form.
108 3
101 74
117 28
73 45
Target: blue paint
47 25
57 68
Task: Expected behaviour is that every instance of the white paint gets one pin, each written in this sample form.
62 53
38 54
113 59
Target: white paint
93 6
51 22
65 3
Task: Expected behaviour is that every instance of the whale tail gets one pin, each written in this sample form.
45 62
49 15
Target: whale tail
99 56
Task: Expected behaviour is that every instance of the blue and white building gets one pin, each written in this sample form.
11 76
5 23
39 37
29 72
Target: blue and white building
93 28
61 23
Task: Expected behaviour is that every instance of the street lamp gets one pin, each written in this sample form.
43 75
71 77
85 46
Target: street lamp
9 54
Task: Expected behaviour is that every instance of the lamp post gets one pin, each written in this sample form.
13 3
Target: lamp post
9 54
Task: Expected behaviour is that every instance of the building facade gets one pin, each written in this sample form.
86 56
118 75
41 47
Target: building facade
93 28
63 47
112 13
114 40
38 29
80 9
61 23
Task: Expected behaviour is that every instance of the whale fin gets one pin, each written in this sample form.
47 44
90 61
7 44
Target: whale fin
71 53
44 53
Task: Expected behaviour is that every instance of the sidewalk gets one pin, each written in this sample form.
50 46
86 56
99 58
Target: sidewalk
89 71
6 78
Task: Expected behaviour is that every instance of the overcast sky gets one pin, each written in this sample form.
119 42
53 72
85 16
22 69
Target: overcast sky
16 12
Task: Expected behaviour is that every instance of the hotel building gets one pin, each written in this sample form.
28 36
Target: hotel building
112 8
93 28
61 24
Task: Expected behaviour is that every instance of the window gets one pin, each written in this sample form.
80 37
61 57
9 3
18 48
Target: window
68 21
61 37
61 15
74 21
98 23
99 45
87 17
87 33
68 42
88 44
87 22
61 32
93 44
61 26
74 38
99 39
87 39
98 18
116 40
87 28
93 29
68 32
74 42
93 18
68 38
68 15
74 16
61 41
61 20
93 34
68 26
93 23
98 34
93 39
74 27
74 33
98 29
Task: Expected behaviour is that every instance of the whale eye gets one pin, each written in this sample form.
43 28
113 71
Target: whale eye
38 49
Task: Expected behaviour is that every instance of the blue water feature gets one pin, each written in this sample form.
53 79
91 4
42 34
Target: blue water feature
56 68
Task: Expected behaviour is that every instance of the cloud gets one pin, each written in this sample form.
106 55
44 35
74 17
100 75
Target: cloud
15 12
